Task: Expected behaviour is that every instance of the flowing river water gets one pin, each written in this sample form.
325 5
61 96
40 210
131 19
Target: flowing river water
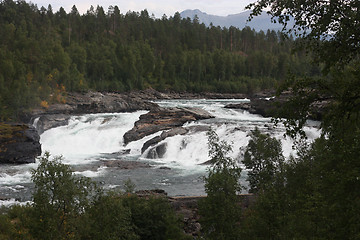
89 140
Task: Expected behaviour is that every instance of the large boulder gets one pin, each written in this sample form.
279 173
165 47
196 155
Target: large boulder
161 119
46 122
19 143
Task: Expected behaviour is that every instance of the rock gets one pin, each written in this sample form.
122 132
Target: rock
208 162
164 168
85 103
95 102
19 143
272 106
120 153
198 128
163 119
47 122
259 106
163 135
157 152
124 164
152 192
244 106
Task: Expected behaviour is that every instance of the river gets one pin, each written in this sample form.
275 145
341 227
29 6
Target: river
89 140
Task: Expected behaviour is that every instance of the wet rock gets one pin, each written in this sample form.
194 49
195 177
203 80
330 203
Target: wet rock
262 107
123 164
85 103
47 122
163 119
157 151
122 152
244 106
274 106
163 135
19 143
164 168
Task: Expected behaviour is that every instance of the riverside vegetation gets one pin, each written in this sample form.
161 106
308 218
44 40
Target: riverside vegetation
315 194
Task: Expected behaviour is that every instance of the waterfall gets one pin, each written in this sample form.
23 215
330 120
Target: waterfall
87 141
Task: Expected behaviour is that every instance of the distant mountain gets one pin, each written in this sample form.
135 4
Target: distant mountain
262 22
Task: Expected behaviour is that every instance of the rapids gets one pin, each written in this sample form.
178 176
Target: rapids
88 140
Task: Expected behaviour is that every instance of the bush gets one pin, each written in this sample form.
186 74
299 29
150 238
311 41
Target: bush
154 218
108 218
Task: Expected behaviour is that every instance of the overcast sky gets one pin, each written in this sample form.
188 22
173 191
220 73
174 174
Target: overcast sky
158 7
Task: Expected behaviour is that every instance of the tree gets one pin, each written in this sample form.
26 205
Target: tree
334 23
59 199
153 218
330 32
320 184
220 210
108 218
263 157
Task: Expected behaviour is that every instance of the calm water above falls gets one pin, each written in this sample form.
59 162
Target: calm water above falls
89 139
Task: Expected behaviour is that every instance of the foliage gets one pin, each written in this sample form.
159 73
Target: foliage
220 210
319 197
66 206
108 218
59 199
129 186
263 157
329 28
16 225
154 218
43 53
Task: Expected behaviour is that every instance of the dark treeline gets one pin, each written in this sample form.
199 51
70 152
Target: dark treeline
45 53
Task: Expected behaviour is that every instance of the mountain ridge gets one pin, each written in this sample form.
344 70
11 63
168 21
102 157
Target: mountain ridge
238 20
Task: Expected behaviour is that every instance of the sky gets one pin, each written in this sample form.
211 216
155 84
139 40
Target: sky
156 7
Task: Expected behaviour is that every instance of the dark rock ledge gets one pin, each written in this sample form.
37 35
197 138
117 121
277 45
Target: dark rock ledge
92 102
274 107
163 119
19 143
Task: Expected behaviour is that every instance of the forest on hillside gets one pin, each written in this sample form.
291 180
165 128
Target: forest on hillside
314 194
44 54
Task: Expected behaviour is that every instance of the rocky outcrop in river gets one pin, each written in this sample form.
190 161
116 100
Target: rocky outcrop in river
163 119
276 107
19 143
92 102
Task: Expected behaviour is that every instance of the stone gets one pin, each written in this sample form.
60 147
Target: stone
46 122
163 119
124 164
19 143
157 151
163 135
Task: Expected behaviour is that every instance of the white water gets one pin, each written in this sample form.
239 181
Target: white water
89 135
88 139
